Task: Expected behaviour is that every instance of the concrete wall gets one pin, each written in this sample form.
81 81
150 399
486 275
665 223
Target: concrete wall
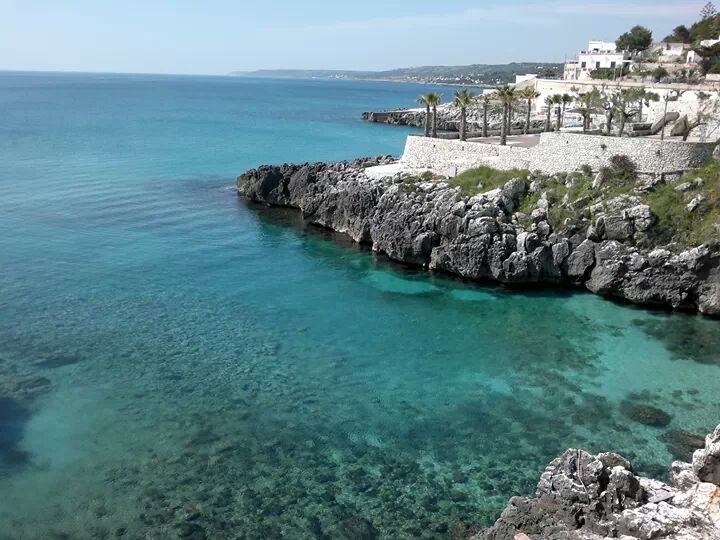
556 152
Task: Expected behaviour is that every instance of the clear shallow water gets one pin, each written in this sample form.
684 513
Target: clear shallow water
174 363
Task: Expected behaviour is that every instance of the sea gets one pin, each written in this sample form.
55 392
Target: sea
178 363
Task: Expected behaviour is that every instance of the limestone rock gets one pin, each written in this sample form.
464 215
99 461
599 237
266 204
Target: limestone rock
431 224
598 497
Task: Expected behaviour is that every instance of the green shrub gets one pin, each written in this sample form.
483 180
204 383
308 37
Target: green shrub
486 177
622 168
670 207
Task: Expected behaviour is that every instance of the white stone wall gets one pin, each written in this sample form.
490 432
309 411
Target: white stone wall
557 152
453 156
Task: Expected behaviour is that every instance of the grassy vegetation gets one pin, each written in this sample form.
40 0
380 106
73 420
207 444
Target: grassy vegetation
674 222
409 183
670 207
481 179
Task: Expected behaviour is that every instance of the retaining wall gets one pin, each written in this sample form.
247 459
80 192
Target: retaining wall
557 152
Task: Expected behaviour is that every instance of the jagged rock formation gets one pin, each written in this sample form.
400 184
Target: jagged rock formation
484 236
582 496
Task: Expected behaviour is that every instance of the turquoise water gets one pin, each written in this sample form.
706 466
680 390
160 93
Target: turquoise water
177 364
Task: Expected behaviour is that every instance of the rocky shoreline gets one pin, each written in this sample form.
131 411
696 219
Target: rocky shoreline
582 496
485 237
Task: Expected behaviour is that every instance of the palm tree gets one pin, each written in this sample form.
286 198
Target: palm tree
434 99
557 101
423 100
549 102
589 104
485 99
512 101
463 99
566 99
528 94
506 96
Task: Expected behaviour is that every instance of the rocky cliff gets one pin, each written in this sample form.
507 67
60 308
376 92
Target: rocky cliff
612 250
582 496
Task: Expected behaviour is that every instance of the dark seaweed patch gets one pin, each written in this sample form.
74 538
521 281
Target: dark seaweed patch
687 338
13 416
59 361
682 444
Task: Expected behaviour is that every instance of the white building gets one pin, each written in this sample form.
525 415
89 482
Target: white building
693 57
672 50
599 55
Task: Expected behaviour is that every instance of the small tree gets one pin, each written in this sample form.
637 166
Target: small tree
680 34
549 102
708 11
610 101
463 99
434 99
557 101
485 100
659 73
529 94
425 101
625 107
566 99
589 104
637 39
506 96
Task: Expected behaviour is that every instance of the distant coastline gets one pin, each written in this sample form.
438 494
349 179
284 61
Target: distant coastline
475 75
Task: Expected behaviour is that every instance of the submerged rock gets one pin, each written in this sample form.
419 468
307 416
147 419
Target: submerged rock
645 414
681 444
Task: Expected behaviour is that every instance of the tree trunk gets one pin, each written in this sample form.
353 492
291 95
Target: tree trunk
557 118
609 120
463 124
427 120
586 117
509 119
434 122
527 117
562 115
547 119
485 120
622 125
640 111
504 127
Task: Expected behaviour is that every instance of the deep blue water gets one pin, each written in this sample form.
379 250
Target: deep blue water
175 363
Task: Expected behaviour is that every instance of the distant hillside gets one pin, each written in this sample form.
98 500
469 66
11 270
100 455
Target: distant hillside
476 74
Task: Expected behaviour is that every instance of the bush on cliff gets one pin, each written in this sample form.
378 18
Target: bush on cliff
690 207
482 179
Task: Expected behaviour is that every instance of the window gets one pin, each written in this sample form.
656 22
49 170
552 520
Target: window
597 65
613 64
583 65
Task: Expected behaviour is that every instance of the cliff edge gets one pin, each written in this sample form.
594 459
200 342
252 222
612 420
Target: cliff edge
512 228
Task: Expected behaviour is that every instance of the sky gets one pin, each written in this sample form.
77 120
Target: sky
219 36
